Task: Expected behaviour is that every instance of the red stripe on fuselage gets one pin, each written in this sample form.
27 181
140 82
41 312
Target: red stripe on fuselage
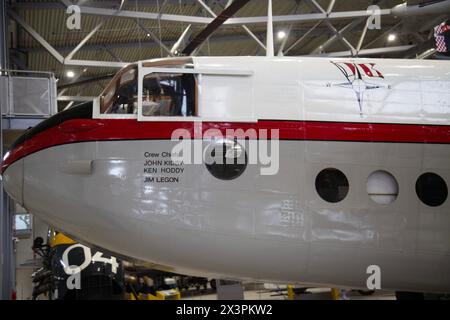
111 130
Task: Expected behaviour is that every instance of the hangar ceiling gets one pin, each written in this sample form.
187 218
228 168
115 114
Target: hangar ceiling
115 32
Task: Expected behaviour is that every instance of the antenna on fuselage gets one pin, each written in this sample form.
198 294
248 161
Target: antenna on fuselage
269 45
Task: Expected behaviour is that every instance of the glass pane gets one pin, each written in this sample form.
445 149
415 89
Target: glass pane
382 187
22 221
431 189
120 97
166 94
332 185
22 225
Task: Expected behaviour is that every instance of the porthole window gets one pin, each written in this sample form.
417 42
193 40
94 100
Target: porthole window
332 185
382 187
431 189
225 159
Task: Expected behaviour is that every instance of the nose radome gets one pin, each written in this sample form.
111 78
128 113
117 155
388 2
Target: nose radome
13 181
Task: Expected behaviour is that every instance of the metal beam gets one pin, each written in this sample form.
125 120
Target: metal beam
144 15
331 6
93 3
304 17
69 105
208 9
232 21
82 81
318 6
383 34
369 52
288 33
363 35
122 3
270 52
3 37
4 266
223 17
346 28
154 37
337 33
95 63
170 43
6 243
181 39
76 98
284 42
405 9
56 54
86 39
112 54
262 45
251 34
302 37
36 36
420 49
94 47
427 53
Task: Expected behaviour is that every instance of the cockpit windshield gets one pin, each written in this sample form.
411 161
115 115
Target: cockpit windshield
121 99
163 94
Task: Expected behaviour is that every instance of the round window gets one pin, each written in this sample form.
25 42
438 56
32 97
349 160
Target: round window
225 159
431 189
382 187
332 185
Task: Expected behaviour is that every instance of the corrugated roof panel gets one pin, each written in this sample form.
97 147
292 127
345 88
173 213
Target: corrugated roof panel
125 40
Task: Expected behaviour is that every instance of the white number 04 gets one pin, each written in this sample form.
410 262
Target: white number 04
98 257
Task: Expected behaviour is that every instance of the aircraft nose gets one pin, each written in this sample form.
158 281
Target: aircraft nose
12 178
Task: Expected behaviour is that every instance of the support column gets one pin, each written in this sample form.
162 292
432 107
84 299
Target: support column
7 253
3 36
6 247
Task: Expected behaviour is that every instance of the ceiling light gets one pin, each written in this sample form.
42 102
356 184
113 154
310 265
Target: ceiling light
281 35
70 74
392 37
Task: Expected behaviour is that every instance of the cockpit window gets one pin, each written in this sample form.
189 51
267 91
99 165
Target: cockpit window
121 95
163 94
107 98
167 94
128 77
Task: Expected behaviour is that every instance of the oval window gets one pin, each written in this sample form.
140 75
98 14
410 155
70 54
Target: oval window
225 159
382 187
431 189
332 185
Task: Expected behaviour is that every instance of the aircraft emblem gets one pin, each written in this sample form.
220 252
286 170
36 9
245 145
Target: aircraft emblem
360 78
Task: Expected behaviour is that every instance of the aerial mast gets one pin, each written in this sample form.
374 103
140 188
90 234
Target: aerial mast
270 49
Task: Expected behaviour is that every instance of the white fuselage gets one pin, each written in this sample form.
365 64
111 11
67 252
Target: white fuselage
395 118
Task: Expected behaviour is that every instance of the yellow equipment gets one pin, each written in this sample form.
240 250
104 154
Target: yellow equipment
59 238
171 294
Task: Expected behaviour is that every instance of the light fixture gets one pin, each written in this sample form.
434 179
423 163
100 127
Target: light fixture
392 37
148 34
281 35
70 74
